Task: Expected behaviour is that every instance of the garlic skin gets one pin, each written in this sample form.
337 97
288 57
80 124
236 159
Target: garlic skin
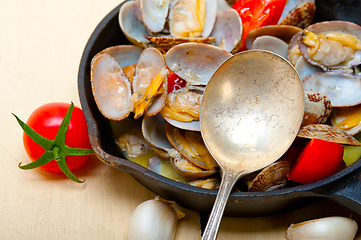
154 219
329 228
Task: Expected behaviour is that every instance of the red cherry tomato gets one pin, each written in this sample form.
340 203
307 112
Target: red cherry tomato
46 120
319 159
175 82
258 13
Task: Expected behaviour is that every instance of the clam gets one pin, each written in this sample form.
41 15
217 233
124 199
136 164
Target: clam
274 38
283 32
272 177
342 89
290 6
133 145
195 62
133 30
317 108
153 129
154 14
301 16
272 44
182 108
332 45
327 133
294 55
208 183
191 146
228 30
347 119
187 168
116 95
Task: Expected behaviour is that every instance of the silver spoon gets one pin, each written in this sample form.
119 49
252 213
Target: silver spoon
251 111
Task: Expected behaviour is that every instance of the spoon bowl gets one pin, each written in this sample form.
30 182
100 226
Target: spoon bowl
251 111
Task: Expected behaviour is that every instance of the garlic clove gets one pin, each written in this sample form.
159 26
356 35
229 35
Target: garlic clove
154 219
329 228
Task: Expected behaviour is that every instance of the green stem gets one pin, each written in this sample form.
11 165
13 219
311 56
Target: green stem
56 152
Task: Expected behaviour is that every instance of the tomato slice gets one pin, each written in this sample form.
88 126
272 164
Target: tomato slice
175 82
258 13
319 159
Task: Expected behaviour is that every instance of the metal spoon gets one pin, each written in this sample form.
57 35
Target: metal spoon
251 111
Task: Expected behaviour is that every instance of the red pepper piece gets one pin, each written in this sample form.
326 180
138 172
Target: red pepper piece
319 159
258 13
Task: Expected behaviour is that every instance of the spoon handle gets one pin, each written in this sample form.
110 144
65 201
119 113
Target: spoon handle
229 178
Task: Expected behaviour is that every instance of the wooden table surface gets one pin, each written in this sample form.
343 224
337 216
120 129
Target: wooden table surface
41 43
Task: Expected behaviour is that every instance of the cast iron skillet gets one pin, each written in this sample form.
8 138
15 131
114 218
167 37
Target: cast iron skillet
342 187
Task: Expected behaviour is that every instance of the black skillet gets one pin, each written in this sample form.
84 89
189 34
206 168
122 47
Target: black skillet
343 187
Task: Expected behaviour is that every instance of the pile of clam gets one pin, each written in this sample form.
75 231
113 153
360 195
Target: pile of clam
131 81
167 23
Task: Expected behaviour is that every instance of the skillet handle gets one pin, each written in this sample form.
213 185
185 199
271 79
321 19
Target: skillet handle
345 190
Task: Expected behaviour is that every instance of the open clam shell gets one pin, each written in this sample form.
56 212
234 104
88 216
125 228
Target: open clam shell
153 129
228 30
185 101
328 60
342 89
133 30
201 162
327 133
195 62
187 168
111 88
154 14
